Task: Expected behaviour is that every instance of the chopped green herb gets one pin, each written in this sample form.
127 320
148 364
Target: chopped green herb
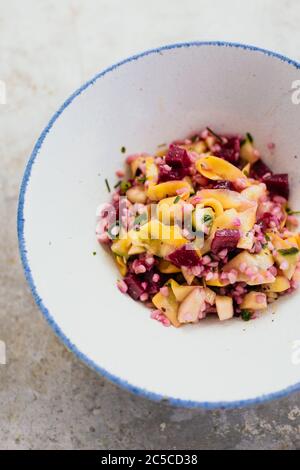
246 315
107 185
246 173
195 138
291 212
140 218
207 218
249 137
161 145
214 134
141 179
117 184
124 186
267 237
94 253
289 251
177 199
264 245
243 141
123 149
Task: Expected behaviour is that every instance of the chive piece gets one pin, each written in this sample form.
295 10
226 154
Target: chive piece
177 199
117 184
107 185
243 141
94 253
141 179
140 218
214 134
124 186
291 212
123 149
207 218
249 137
289 251
161 145
246 315
267 237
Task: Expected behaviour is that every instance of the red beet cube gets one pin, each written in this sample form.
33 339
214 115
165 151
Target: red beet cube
135 289
259 169
225 238
278 184
185 256
177 157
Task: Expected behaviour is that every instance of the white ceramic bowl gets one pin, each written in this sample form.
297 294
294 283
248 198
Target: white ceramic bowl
143 101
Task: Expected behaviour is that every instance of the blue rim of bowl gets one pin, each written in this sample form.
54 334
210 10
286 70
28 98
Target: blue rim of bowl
23 253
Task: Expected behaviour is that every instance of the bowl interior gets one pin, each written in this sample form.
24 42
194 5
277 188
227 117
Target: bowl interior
144 102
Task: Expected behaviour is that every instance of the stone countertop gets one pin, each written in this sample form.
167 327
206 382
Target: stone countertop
49 400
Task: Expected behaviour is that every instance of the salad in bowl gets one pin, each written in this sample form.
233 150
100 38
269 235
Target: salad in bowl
202 227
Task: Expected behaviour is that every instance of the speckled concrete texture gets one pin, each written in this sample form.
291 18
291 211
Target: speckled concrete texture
49 400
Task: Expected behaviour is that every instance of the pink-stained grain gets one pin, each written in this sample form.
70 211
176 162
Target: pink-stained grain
144 297
164 291
122 286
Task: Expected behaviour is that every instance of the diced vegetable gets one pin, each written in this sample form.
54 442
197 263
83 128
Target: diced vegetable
280 284
258 263
185 256
278 184
224 306
254 300
259 170
168 306
180 292
135 288
168 268
226 238
230 150
192 307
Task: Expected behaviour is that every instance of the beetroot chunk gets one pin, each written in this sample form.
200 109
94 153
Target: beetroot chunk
185 256
259 169
177 157
225 238
278 184
135 289
171 175
153 287
230 151
179 162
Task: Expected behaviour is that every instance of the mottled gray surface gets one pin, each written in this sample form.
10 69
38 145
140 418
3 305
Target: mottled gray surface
49 400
